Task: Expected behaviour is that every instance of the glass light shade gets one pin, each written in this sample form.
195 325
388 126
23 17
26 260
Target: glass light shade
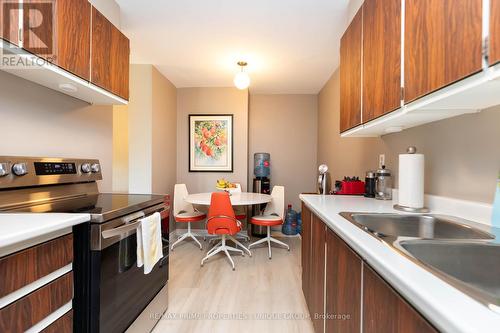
241 80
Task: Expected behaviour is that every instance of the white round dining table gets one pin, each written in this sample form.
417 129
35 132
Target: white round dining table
237 199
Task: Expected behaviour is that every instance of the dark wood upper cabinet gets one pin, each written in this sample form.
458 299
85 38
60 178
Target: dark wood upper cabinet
73 37
350 74
385 311
110 56
381 57
306 251
9 18
443 44
61 34
343 286
494 56
317 277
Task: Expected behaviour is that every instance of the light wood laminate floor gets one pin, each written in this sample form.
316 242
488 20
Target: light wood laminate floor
261 295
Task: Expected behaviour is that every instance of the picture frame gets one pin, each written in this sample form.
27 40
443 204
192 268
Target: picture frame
210 142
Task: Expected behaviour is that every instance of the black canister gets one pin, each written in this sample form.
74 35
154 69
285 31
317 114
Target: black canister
370 181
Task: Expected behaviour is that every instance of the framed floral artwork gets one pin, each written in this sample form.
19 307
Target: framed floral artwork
211 143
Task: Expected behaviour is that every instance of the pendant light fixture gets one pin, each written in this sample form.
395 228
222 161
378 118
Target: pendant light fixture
241 79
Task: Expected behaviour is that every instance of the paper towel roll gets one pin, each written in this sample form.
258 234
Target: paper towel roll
411 180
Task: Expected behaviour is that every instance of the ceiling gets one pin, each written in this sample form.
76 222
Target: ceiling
291 46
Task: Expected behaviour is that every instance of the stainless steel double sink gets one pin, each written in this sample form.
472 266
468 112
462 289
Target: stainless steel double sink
451 248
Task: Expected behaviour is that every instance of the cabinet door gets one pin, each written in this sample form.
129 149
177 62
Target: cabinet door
62 33
385 311
317 278
494 56
343 286
443 44
9 17
306 252
73 36
381 57
350 74
110 56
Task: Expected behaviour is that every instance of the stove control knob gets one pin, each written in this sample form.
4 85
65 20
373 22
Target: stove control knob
95 168
85 168
20 169
4 169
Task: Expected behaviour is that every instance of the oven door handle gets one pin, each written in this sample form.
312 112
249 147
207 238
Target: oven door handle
124 228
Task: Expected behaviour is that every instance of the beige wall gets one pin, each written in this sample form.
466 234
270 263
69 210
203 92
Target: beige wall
286 127
37 121
206 101
150 146
120 148
462 153
140 129
164 134
344 156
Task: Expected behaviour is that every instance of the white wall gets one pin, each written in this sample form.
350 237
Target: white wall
109 8
37 121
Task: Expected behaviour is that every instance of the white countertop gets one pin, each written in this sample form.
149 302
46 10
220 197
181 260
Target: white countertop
17 229
447 308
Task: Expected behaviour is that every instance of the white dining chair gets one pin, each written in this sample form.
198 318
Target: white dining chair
273 215
184 212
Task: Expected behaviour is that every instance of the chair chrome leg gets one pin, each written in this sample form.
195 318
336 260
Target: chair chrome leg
185 235
268 239
260 241
240 245
222 247
279 243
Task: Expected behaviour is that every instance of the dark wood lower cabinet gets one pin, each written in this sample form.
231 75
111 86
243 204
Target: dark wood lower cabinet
385 311
343 286
61 325
306 251
29 310
317 277
357 298
27 266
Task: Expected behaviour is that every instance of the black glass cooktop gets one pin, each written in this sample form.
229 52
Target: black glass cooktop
102 207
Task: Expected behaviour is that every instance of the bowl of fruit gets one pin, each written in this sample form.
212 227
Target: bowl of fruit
224 185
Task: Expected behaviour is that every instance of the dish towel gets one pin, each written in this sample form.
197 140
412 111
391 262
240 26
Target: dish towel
149 245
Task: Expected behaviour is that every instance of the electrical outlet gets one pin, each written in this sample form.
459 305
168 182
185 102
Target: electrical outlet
381 160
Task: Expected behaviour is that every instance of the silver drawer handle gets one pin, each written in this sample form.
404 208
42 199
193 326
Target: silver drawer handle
124 228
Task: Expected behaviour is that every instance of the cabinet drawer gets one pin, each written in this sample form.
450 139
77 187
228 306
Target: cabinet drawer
29 310
61 325
27 266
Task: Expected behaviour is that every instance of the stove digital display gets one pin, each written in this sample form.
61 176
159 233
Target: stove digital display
54 168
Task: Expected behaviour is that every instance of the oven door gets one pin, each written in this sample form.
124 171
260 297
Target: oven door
119 290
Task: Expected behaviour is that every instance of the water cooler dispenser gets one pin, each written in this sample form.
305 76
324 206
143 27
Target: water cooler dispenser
261 184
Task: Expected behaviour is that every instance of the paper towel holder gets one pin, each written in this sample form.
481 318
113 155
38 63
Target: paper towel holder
411 150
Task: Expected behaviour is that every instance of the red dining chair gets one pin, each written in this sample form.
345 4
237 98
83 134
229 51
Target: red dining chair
273 216
241 215
222 221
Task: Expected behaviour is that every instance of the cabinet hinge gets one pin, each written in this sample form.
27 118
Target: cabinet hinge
402 93
20 35
486 48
